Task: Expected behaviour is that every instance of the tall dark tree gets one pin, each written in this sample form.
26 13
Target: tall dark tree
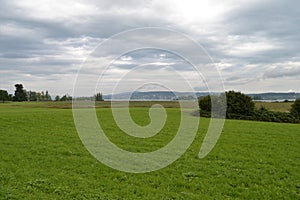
98 97
4 96
20 93
47 96
10 97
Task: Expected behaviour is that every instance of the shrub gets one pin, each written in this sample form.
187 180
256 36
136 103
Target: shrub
240 106
295 110
205 103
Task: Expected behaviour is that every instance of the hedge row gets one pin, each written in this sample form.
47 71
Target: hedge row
260 115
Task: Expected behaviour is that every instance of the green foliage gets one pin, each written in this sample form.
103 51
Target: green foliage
205 103
295 110
98 96
38 96
218 108
20 93
32 96
66 97
238 104
4 96
42 157
57 98
47 96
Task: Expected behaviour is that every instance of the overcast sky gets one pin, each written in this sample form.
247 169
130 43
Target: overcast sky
254 43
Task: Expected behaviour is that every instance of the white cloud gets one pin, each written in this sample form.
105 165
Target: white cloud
249 46
11 29
54 10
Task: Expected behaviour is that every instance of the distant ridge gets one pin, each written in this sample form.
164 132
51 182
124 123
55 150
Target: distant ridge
275 96
155 95
169 95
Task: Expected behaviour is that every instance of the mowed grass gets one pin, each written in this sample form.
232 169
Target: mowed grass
42 157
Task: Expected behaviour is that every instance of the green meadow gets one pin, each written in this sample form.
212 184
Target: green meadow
42 157
275 106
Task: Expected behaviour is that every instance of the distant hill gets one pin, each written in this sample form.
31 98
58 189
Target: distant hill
168 95
155 95
275 96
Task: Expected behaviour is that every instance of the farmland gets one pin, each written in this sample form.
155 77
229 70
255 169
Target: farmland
275 106
42 157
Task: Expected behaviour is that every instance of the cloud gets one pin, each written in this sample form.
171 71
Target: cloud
288 69
250 42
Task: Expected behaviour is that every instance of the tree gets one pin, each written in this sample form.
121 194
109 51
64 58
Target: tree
69 98
38 96
205 103
98 97
238 104
10 97
4 96
219 108
66 97
32 96
57 98
47 96
295 110
63 98
42 96
20 93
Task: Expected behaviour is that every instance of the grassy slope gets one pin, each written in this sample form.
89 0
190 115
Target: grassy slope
42 157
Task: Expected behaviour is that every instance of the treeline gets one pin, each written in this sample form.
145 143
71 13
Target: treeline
241 106
21 94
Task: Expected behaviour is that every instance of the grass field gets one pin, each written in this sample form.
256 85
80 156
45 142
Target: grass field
101 104
275 106
42 157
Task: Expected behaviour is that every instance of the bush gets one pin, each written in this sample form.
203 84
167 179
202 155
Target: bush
240 106
205 103
295 110
270 116
239 103
213 106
